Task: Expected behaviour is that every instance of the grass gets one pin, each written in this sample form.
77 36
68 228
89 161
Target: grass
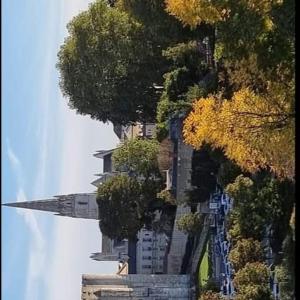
203 269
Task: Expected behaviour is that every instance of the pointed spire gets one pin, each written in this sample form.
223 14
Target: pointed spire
52 205
81 205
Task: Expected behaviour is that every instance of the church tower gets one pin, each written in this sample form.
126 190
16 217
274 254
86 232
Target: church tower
73 205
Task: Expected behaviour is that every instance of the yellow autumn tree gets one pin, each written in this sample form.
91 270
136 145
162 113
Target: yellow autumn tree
255 131
194 12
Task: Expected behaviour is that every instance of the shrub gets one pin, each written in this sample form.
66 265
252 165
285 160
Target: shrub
190 223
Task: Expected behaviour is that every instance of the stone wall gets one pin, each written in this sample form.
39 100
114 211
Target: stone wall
134 286
179 238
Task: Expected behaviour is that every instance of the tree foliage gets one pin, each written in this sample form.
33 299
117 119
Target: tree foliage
252 129
227 173
124 205
192 12
112 59
285 272
203 176
187 68
252 282
245 251
167 197
137 156
259 203
97 61
285 277
251 113
165 30
210 295
190 223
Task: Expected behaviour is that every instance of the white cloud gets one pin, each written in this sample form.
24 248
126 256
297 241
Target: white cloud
37 254
12 157
66 256
75 239
31 221
37 243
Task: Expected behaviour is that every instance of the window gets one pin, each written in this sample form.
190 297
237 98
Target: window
147 257
147 248
146 266
147 240
82 202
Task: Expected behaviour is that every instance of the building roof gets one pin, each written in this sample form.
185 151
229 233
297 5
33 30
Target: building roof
103 153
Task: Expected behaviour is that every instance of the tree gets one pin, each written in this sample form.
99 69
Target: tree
252 282
112 59
285 272
190 223
167 197
159 26
203 179
227 173
252 129
210 295
193 12
245 251
261 16
182 83
286 280
123 206
137 156
252 117
259 203
96 63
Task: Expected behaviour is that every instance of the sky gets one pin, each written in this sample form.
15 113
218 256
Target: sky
46 150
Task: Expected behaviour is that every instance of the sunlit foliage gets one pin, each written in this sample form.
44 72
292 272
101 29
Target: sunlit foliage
254 130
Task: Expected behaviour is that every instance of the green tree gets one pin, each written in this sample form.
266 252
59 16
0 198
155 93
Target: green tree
286 282
138 156
285 272
227 173
181 83
123 206
258 203
159 26
203 176
252 282
245 251
112 59
190 223
97 62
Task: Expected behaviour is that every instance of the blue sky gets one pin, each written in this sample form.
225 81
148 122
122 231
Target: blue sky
46 150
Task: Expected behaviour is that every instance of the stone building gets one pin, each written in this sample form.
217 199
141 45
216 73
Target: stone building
148 254
145 256
73 205
136 287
